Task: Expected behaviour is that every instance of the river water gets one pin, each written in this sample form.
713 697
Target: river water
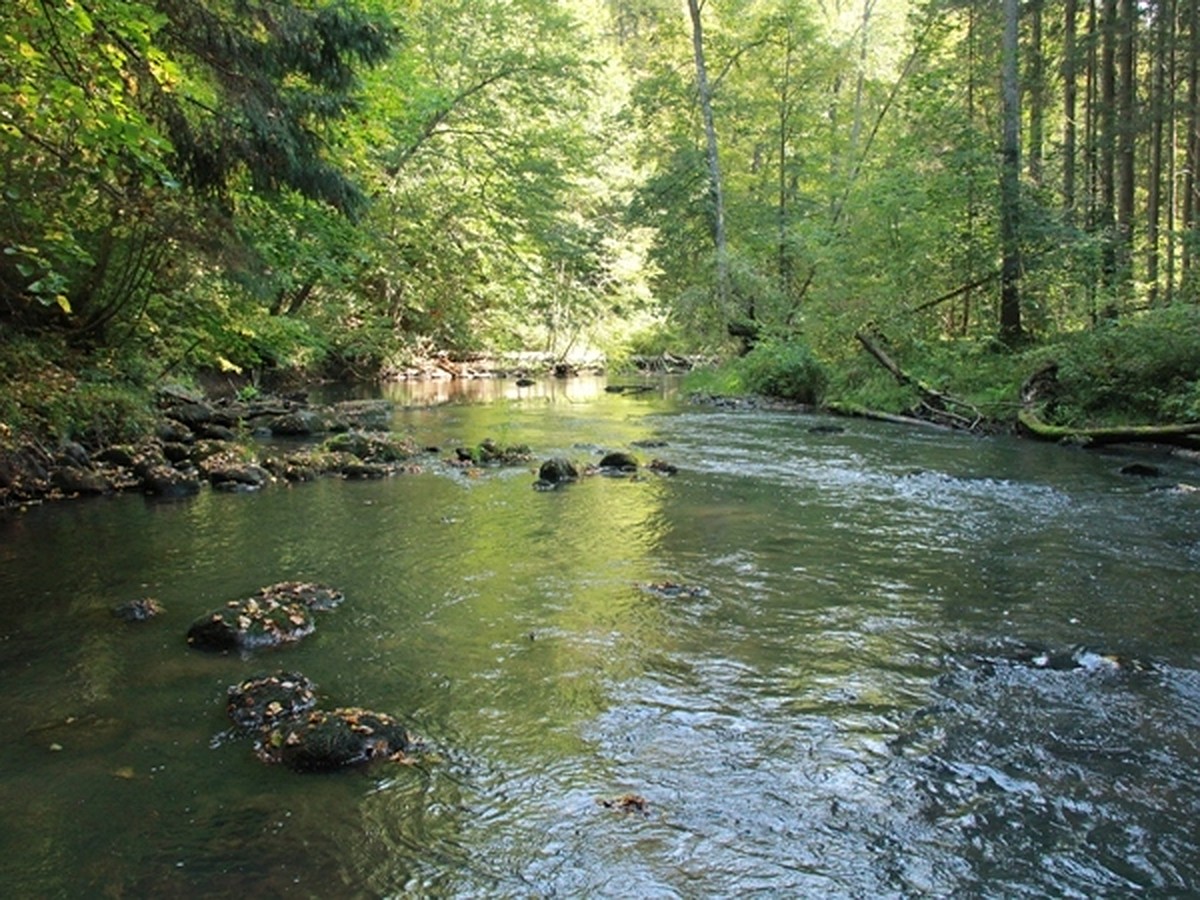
851 702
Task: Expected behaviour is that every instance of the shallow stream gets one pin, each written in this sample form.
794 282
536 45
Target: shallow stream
863 692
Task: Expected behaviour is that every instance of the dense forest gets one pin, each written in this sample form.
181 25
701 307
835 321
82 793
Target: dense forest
970 190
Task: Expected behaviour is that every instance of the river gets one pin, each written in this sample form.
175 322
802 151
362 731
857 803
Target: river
857 697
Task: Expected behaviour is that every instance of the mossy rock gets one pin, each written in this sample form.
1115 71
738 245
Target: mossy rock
323 741
268 700
279 614
372 447
489 453
250 624
299 423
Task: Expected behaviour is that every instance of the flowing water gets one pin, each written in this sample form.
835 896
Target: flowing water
852 702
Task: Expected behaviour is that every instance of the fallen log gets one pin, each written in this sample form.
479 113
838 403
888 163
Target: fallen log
1187 435
861 412
1040 391
937 407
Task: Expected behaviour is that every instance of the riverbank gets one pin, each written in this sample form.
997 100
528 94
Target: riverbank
79 424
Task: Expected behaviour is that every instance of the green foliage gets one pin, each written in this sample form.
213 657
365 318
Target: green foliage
1140 369
273 74
58 395
717 381
788 370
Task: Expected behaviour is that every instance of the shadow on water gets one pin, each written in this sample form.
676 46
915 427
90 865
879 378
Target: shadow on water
872 663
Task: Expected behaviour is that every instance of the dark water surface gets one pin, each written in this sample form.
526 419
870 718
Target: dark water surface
850 708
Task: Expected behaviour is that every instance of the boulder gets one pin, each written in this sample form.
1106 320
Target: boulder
298 423
118 455
372 446
175 452
294 468
71 480
268 700
557 471
165 481
364 470
73 454
323 741
619 461
279 614
216 432
190 414
174 432
372 415
237 474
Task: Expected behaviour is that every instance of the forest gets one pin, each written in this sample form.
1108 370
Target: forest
967 192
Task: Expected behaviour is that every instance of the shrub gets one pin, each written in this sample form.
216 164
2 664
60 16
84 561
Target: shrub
788 370
1144 368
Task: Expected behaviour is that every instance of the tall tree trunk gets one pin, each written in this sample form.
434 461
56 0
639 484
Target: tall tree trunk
860 80
1191 173
1172 140
1010 184
1037 93
786 269
1154 191
1091 144
1069 69
715 186
972 205
1126 110
1108 155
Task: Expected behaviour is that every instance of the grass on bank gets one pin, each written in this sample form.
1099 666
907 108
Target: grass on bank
1142 369
1139 370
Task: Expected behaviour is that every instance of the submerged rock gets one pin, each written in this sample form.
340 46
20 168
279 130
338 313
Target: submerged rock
138 610
1140 470
323 741
671 589
662 467
1057 659
279 614
1073 658
626 803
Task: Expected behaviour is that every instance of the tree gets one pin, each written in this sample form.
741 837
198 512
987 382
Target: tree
1010 188
149 115
712 157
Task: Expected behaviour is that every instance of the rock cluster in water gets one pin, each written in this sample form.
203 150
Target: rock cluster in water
558 471
279 711
200 442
